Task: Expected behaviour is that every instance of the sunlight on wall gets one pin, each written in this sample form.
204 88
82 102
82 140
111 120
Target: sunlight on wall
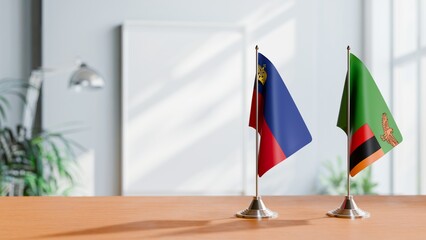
423 23
203 53
405 108
396 55
405 33
266 13
284 36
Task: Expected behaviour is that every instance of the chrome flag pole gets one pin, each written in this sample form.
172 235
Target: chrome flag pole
257 208
348 209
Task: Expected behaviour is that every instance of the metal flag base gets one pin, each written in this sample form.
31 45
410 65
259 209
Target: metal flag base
257 209
349 209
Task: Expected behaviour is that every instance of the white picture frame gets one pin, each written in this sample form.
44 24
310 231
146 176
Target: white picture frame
183 109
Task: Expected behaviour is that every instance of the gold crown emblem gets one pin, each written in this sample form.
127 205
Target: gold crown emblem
261 73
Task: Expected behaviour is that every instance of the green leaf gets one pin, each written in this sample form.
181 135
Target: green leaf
30 180
46 161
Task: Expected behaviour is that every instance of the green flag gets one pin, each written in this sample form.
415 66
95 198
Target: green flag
373 131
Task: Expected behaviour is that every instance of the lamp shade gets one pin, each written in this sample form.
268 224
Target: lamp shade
86 77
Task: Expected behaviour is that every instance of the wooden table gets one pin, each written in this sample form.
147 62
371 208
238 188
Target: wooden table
301 217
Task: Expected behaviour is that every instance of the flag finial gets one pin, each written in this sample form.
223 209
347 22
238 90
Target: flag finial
257 47
349 48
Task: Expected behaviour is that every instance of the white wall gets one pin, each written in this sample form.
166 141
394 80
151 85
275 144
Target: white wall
393 42
306 40
15 47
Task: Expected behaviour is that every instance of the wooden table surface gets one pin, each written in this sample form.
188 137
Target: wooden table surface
301 217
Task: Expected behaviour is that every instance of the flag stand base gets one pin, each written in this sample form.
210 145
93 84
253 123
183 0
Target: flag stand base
349 209
257 209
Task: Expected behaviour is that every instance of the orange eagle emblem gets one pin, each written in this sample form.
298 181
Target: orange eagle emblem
387 131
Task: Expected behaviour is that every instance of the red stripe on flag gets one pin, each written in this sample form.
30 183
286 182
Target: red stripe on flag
252 121
361 135
270 153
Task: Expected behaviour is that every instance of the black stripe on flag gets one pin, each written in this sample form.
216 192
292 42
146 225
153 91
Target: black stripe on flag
364 150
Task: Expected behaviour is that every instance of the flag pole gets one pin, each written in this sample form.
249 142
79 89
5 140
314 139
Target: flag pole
348 155
348 209
257 121
257 208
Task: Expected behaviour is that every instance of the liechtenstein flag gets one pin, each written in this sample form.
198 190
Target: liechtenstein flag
281 127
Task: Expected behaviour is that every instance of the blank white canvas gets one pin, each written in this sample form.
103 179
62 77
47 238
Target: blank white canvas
182 109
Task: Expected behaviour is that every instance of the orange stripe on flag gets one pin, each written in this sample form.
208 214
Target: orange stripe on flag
366 162
360 136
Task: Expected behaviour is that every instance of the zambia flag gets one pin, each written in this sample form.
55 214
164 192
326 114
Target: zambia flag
373 131
281 127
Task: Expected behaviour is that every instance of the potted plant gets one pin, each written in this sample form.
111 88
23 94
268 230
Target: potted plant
32 166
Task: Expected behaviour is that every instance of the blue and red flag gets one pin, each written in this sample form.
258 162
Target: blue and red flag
281 127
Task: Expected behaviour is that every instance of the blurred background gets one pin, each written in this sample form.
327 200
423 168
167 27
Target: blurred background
172 117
